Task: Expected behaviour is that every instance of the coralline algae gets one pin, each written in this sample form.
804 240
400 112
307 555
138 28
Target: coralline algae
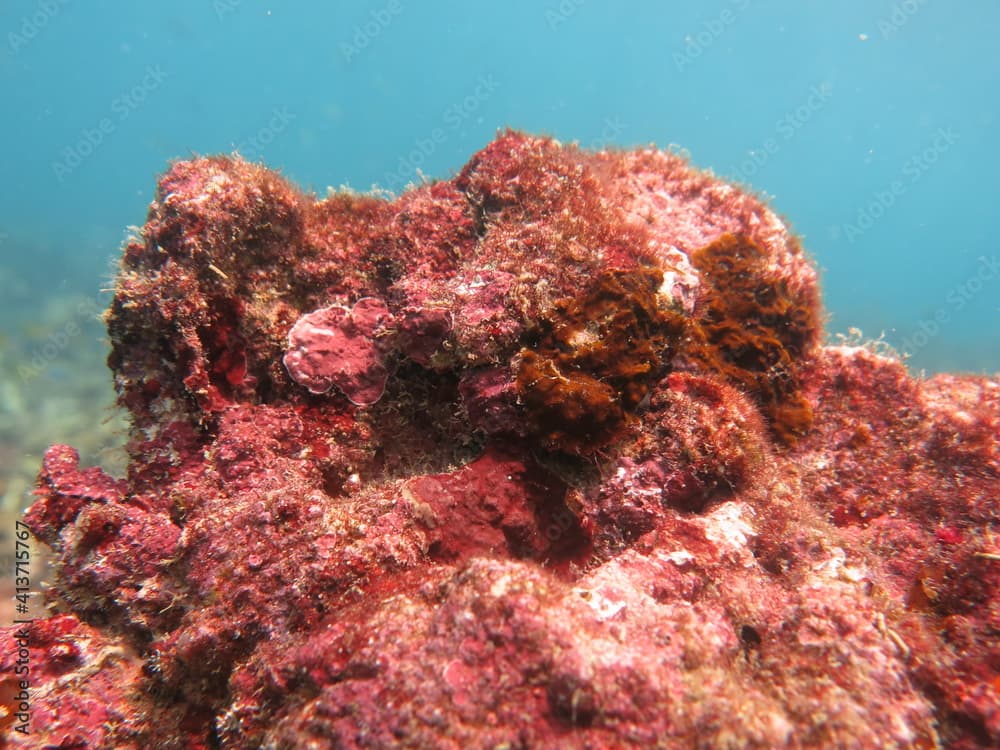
548 455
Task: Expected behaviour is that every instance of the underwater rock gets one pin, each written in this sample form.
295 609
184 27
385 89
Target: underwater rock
545 455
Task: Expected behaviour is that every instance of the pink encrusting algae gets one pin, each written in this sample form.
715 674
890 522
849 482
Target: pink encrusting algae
547 455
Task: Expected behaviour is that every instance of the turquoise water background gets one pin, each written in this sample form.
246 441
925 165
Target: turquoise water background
872 124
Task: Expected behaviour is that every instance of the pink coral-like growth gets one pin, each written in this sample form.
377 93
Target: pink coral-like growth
342 347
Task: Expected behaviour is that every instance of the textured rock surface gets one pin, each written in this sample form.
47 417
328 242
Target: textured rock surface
546 455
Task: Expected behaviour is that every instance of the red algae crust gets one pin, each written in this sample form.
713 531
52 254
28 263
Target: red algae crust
546 455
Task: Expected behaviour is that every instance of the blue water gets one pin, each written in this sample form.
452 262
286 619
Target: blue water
873 124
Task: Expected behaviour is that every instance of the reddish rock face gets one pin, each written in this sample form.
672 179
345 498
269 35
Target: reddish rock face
546 455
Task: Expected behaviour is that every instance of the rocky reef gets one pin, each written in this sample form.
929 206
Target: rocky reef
546 455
